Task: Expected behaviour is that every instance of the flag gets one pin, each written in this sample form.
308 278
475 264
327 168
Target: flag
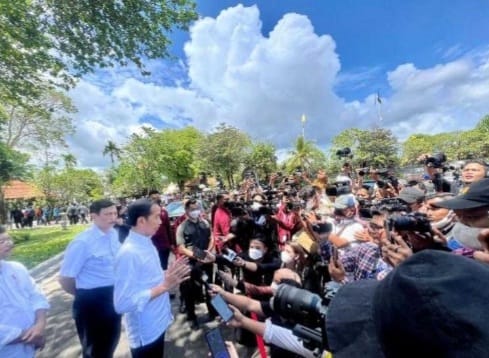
378 98
303 118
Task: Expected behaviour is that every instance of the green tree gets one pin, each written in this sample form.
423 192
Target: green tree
69 160
150 160
13 165
223 152
112 150
377 147
262 159
77 184
305 155
62 38
483 125
45 123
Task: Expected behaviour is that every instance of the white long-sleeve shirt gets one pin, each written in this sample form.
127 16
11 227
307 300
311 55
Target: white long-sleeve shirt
285 339
20 298
137 270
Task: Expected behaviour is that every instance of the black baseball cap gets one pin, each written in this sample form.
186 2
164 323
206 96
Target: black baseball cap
432 305
477 195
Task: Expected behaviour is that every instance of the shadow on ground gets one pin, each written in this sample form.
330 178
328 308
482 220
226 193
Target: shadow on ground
62 341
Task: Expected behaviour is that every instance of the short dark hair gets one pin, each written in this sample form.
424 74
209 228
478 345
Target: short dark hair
100 204
153 192
475 161
137 209
190 202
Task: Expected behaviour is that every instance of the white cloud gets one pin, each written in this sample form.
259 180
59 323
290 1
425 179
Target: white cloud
263 83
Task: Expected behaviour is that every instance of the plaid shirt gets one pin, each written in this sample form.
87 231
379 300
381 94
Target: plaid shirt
362 262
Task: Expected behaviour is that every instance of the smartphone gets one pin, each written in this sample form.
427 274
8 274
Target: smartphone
199 254
222 308
334 254
216 343
229 255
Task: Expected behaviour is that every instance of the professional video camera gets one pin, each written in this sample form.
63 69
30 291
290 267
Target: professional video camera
307 310
344 153
391 205
410 222
367 171
436 161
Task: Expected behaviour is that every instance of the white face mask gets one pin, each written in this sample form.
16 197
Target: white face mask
194 214
286 257
255 254
274 286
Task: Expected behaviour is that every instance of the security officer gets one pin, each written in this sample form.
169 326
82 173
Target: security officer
194 240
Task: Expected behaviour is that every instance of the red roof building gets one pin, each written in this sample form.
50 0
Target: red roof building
16 189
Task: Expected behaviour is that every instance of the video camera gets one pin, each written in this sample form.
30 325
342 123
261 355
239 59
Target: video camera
344 153
391 205
307 310
410 222
436 161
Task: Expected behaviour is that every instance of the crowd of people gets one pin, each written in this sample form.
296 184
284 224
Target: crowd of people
365 265
30 214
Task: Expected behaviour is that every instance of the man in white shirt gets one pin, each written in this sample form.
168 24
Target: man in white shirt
23 307
141 290
87 272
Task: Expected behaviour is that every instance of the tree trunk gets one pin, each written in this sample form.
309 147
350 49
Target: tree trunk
3 208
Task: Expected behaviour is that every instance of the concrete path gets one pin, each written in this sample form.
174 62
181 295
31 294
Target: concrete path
62 341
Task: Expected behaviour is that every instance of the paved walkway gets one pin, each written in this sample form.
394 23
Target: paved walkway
62 341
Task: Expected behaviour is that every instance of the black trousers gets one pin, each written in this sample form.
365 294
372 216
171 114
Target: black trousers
192 288
155 349
97 324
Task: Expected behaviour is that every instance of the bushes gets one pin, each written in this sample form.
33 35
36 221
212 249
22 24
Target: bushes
34 246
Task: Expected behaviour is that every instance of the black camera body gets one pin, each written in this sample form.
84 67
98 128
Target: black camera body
410 222
436 161
344 153
307 310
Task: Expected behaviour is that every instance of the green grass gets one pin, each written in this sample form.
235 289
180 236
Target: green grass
33 246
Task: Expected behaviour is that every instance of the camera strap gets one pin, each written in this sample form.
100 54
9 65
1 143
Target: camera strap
259 339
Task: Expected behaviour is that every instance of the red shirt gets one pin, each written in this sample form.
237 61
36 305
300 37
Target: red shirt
221 225
162 239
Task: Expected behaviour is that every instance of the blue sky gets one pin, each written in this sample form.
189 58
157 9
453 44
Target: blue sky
260 65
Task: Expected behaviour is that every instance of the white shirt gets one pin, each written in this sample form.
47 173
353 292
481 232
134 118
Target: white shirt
137 270
20 298
90 258
285 339
346 229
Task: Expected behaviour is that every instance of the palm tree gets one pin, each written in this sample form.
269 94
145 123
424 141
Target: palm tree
302 155
112 150
70 160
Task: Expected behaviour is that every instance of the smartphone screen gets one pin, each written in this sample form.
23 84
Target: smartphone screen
198 253
216 343
222 308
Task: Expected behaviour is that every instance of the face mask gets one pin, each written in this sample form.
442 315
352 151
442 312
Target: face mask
274 286
286 258
261 221
256 206
194 214
255 254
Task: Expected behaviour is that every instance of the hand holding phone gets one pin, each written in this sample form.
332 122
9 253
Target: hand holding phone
216 343
199 254
222 308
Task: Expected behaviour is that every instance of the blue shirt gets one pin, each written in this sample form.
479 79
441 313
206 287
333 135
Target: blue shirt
90 258
137 271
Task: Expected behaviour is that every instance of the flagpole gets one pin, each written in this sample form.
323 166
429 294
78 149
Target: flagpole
378 104
303 120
